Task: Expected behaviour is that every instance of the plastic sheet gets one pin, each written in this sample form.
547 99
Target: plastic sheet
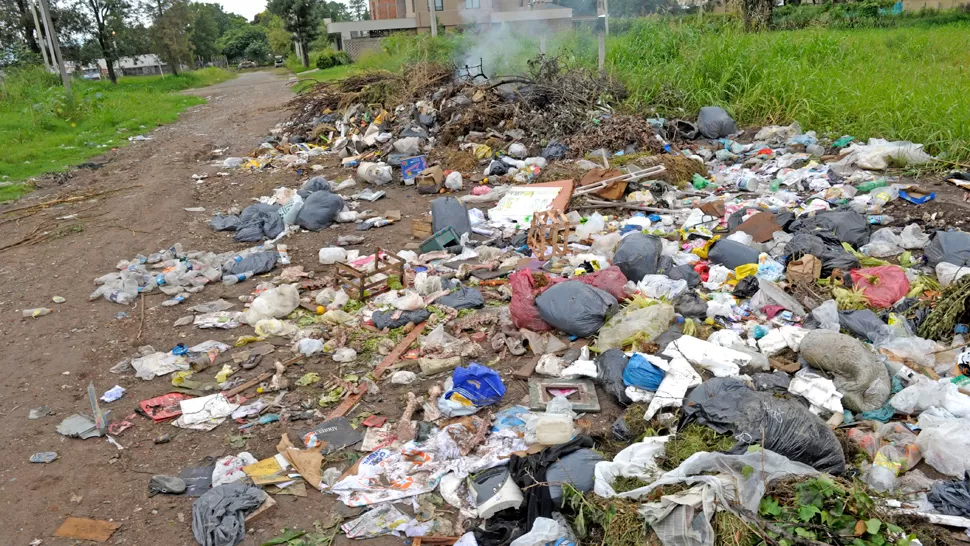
944 444
858 374
395 319
611 365
924 395
449 211
948 246
463 298
788 428
641 321
951 497
732 254
838 225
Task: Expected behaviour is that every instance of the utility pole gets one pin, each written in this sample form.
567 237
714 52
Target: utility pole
40 35
45 10
434 18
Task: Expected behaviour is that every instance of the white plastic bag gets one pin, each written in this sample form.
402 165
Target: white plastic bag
913 237
944 444
636 461
543 530
332 254
453 181
883 243
947 273
827 315
273 303
595 223
661 286
679 377
927 394
409 301
720 361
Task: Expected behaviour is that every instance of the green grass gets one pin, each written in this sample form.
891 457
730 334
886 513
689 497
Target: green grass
44 132
328 75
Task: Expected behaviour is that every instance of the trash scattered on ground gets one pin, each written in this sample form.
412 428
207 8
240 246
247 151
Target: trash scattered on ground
764 329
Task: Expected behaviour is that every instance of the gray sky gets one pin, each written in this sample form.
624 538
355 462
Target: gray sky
246 8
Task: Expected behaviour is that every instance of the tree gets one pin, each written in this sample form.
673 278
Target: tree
300 17
17 25
235 43
756 13
171 31
280 41
204 29
359 9
106 17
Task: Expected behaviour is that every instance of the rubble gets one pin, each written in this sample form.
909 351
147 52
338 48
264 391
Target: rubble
495 362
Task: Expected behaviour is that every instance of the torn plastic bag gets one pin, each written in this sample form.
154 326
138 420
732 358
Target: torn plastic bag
313 185
714 122
463 298
635 461
258 222
924 395
448 211
684 272
948 246
832 254
273 303
319 210
883 243
576 308
865 324
660 286
554 150
776 382
523 308
912 237
945 443
610 280
858 374
731 340
224 223
257 262
732 254
827 315
882 285
878 153
576 469
544 531
770 293
641 321
951 497
720 361
746 287
679 377
640 372
610 365
842 225
726 404
395 319
218 516
691 305
637 255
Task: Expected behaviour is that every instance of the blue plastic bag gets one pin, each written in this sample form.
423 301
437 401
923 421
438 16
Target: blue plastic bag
640 373
472 388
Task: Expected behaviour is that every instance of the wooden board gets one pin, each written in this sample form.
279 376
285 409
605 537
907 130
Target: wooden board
561 202
87 529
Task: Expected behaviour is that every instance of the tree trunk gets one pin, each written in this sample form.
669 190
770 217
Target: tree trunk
306 54
26 22
757 14
108 52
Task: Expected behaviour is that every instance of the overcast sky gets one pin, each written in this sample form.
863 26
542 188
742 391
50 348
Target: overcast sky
246 8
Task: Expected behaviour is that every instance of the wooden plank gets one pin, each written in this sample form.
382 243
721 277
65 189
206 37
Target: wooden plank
348 403
526 370
87 529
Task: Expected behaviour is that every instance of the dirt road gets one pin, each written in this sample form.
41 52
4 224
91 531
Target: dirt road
49 361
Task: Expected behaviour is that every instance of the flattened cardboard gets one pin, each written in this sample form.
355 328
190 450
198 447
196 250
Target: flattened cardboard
87 529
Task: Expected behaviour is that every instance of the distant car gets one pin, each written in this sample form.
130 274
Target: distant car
278 61
91 74
247 64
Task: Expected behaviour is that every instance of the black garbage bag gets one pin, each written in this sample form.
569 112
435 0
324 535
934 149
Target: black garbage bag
865 325
776 382
530 474
610 365
951 497
691 305
385 319
830 252
714 122
554 150
575 469
463 298
637 255
746 287
576 308
228 222
685 272
449 211
621 431
948 246
842 225
497 168
257 262
319 210
671 334
313 185
727 405
732 254
260 224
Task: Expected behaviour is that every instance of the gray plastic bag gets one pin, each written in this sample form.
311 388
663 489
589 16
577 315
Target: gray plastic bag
319 210
727 405
463 298
714 122
576 308
637 255
385 319
610 365
257 262
835 226
861 378
575 469
229 222
865 324
313 185
950 247
448 211
261 225
218 516
685 272
732 254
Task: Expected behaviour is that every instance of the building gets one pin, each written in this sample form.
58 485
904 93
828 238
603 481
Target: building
387 16
139 65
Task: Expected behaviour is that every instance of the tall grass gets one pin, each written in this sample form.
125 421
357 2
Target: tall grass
42 131
903 83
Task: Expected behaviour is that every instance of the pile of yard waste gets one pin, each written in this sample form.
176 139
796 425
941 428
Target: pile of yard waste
782 361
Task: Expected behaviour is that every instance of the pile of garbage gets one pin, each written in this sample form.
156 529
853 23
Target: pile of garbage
780 359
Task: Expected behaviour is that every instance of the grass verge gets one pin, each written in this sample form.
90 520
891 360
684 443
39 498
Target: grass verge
45 132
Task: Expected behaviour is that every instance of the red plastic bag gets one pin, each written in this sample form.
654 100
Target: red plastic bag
610 280
882 286
523 308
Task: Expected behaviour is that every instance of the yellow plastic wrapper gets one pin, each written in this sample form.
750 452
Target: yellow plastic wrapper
745 270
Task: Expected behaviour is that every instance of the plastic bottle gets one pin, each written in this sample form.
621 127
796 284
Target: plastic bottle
866 187
284 256
880 196
36 312
554 429
880 219
230 280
